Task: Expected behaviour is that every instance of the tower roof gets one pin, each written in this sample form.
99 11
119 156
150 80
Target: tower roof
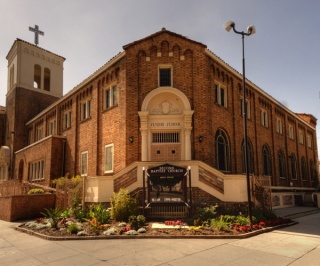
35 46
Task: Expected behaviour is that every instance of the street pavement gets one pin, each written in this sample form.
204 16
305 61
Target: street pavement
295 245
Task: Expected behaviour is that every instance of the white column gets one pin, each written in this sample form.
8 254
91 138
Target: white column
144 135
187 141
187 132
144 145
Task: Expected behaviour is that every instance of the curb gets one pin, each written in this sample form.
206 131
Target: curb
242 236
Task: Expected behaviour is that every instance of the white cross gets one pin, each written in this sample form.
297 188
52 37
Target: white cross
36 33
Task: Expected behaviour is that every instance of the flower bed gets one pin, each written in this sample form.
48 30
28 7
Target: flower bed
42 227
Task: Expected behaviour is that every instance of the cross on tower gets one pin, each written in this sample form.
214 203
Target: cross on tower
36 33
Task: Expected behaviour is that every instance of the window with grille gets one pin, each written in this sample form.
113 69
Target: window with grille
166 137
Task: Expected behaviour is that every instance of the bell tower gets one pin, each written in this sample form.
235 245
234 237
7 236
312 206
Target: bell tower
35 81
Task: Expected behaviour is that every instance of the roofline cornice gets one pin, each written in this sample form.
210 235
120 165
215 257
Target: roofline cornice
239 75
80 85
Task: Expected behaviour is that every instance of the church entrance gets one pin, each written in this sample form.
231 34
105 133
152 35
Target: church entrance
165 126
166 146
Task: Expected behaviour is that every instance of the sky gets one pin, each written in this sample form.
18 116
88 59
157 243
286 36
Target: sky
282 58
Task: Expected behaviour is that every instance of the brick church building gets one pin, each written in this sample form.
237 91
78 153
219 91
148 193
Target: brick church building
164 116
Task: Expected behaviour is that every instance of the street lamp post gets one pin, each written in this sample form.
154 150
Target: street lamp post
250 30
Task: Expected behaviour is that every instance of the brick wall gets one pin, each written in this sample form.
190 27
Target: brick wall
22 207
50 150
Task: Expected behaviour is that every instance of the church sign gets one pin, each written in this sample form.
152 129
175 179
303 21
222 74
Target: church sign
167 184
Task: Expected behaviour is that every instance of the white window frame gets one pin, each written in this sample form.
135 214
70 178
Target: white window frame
39 133
218 88
309 141
84 163
112 100
264 118
85 110
36 170
66 120
109 151
171 74
52 127
301 137
291 132
279 127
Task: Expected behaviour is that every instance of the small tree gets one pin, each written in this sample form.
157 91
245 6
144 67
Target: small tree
123 205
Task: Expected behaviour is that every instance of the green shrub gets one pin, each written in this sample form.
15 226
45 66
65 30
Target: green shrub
137 222
73 228
221 224
100 213
123 206
242 220
34 191
205 214
54 215
72 182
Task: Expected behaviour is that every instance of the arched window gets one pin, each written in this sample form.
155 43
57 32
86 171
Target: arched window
266 157
37 77
223 153
304 174
46 81
293 166
282 164
251 159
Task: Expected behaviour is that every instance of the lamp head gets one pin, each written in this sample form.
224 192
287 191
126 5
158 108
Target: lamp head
251 29
228 25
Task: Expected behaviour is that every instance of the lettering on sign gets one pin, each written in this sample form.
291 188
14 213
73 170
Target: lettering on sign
167 169
165 124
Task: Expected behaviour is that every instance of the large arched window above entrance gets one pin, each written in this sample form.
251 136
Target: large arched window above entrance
251 158
222 151
266 161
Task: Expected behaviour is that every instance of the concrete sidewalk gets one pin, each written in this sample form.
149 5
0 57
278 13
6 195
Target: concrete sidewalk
294 245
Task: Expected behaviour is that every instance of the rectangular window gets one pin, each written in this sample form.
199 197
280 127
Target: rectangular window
166 137
36 170
111 97
84 163
39 133
309 140
279 125
30 137
291 132
85 110
165 77
66 120
220 95
264 118
301 137
247 106
109 158
52 127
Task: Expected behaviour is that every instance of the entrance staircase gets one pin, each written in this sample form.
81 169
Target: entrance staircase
261 192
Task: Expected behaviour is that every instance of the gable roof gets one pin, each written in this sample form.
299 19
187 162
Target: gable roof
163 30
